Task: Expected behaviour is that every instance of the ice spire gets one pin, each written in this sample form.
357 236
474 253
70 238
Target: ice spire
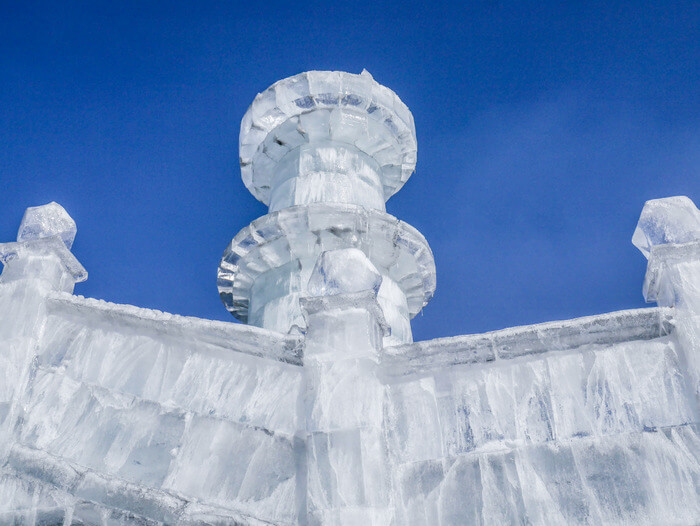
325 150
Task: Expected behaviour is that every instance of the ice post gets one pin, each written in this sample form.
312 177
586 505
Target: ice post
40 261
668 234
348 469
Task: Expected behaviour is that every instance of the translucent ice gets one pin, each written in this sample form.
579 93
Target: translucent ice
46 221
320 108
672 220
343 271
111 414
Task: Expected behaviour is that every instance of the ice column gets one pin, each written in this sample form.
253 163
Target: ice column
325 150
39 262
668 234
348 474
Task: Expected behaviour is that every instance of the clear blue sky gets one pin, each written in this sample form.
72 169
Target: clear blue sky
542 129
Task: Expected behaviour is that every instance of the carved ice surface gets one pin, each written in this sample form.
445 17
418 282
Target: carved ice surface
672 220
46 221
343 271
328 413
325 150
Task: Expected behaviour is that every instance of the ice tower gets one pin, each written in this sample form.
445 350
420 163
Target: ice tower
323 411
325 150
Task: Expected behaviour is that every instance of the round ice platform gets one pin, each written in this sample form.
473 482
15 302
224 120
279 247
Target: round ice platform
327 136
266 268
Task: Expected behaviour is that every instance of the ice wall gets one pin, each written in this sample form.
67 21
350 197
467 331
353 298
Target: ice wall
120 401
115 414
582 422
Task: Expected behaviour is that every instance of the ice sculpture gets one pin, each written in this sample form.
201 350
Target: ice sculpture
326 412
46 221
325 150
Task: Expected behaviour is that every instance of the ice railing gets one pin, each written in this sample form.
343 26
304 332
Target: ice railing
234 337
423 357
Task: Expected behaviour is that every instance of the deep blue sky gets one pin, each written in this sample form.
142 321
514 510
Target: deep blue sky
542 129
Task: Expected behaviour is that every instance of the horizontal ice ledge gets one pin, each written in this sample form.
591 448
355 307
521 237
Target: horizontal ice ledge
232 337
606 329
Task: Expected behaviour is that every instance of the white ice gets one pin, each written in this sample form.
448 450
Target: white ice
46 221
672 220
343 271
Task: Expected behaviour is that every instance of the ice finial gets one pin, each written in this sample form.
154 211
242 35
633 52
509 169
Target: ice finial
42 250
47 221
672 220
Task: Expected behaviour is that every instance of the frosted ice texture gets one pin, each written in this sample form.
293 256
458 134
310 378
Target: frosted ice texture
127 413
343 271
590 424
46 221
374 128
672 220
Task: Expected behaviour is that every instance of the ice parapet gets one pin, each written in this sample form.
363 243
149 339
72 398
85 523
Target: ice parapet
343 271
672 220
46 221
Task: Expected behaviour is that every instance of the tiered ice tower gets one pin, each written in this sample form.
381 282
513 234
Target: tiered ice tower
325 150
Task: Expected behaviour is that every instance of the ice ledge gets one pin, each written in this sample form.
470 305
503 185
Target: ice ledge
603 329
234 337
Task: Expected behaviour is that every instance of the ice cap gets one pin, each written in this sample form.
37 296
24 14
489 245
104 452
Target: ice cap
47 221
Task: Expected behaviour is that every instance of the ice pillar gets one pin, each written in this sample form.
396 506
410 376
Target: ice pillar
348 474
38 263
325 150
668 234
